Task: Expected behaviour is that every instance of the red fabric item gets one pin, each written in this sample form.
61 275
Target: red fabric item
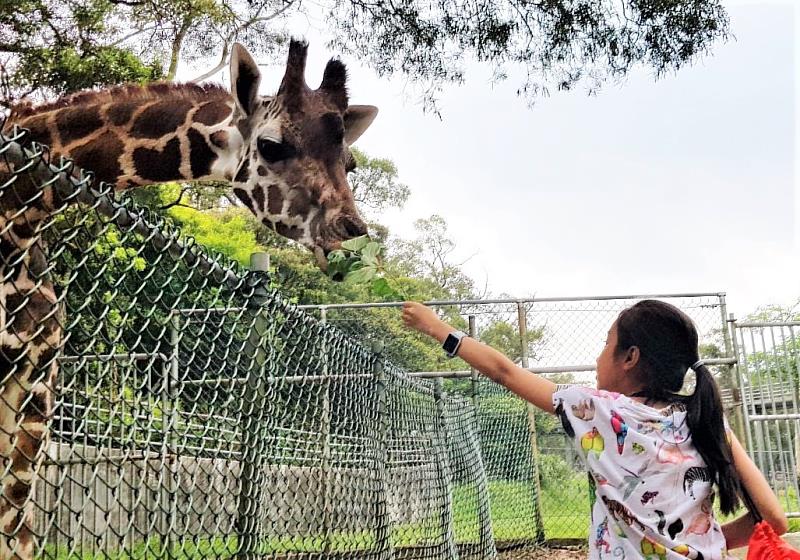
766 545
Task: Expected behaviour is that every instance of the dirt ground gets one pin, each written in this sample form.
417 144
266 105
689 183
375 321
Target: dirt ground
568 553
528 553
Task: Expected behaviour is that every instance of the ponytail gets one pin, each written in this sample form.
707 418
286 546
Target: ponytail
668 343
706 424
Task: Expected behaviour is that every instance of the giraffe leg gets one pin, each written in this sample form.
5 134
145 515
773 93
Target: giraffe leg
25 408
28 346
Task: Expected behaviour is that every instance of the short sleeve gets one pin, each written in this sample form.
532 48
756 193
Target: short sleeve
581 409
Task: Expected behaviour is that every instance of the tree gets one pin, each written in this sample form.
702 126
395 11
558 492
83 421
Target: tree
375 184
556 44
429 256
51 48
776 313
505 338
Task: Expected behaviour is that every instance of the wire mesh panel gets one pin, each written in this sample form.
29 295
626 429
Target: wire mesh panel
537 487
199 415
769 368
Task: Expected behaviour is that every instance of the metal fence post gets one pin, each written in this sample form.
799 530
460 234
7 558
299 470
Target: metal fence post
446 528
325 422
522 319
485 534
251 464
730 370
169 419
382 543
741 366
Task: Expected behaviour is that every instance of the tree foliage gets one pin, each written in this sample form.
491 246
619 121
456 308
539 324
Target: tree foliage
61 45
51 48
557 44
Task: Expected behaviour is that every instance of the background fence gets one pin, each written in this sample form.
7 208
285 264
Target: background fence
199 415
769 367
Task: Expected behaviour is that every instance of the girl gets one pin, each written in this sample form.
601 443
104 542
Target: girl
655 459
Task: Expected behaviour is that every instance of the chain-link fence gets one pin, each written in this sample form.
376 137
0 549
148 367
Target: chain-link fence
537 486
199 415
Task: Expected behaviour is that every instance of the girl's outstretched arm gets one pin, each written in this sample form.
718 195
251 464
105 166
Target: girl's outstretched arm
494 365
737 533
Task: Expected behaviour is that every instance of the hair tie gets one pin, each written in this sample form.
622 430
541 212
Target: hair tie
696 365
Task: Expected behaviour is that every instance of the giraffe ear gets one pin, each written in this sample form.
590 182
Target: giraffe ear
357 119
245 78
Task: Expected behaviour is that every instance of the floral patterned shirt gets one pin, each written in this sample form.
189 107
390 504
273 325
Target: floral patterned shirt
651 492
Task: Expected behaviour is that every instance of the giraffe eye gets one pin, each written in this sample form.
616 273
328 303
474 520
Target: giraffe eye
275 151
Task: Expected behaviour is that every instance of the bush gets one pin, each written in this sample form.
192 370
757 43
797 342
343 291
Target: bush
554 470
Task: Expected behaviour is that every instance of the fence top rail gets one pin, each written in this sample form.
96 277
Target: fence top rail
435 303
765 325
553 369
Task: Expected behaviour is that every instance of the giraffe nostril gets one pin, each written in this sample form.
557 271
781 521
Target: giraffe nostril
352 227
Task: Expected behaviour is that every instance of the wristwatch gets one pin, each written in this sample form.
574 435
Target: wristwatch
452 343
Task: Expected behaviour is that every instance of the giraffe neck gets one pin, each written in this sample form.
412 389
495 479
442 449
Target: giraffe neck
134 136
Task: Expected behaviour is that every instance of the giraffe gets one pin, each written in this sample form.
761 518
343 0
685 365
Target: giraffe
286 157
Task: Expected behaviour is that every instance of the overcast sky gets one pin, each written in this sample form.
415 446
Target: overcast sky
687 184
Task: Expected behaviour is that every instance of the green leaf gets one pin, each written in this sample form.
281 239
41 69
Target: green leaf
362 275
370 253
336 256
382 289
357 244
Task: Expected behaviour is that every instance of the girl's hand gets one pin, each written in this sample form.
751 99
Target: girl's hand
423 319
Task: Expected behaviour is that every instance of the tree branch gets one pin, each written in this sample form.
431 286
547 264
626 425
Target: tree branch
226 44
133 34
177 201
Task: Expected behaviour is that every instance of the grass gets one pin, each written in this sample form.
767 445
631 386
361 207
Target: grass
565 514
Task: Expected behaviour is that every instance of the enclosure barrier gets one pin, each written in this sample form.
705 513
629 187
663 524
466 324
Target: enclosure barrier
200 415
556 337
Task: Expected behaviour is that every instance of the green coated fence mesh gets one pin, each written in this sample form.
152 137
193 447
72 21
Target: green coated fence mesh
200 415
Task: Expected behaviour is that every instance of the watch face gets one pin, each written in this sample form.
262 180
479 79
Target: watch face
450 343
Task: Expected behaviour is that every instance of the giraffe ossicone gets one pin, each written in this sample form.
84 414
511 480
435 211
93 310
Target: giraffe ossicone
286 156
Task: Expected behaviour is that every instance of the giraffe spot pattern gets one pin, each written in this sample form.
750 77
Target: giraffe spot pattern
212 112
220 139
17 493
201 156
39 131
258 196
262 171
274 199
120 113
23 230
28 444
101 156
29 312
78 122
242 195
244 173
290 232
161 118
300 203
159 165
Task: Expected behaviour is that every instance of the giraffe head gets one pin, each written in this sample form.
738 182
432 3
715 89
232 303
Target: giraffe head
295 156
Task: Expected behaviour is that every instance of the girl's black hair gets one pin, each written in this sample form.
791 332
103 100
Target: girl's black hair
668 345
